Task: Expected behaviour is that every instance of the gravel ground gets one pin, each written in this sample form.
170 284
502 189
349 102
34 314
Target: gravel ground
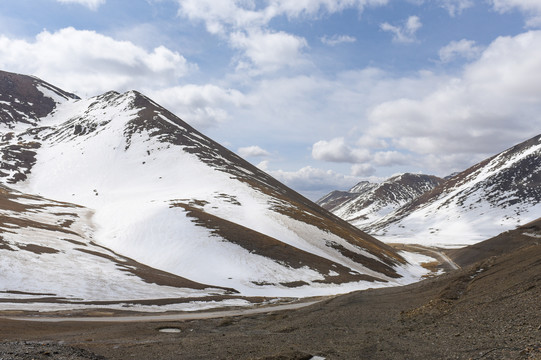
489 310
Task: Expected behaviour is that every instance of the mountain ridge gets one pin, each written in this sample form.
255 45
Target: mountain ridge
497 194
492 196
366 202
162 194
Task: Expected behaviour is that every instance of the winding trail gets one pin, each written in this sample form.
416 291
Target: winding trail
426 250
167 317
445 261
441 255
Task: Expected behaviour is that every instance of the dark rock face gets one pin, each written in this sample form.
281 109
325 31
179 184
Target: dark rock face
17 160
361 204
511 179
22 99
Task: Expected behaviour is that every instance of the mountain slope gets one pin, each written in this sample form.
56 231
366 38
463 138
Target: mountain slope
50 261
25 100
490 310
171 198
495 195
367 202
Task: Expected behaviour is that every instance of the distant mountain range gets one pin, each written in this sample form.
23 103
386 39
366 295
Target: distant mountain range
495 195
368 202
152 192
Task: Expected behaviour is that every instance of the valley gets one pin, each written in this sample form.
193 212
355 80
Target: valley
486 310
119 220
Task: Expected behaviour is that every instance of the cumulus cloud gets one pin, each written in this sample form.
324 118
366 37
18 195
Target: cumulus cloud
313 182
222 16
337 39
203 106
455 7
315 7
530 8
269 51
436 122
363 161
336 150
362 170
89 63
459 49
252 151
91 4
263 165
404 33
390 158
495 99
245 24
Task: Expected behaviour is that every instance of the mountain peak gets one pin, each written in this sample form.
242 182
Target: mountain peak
26 99
367 202
495 195
170 197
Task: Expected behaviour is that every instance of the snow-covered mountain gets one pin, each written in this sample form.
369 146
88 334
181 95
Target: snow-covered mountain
169 197
493 196
50 261
368 202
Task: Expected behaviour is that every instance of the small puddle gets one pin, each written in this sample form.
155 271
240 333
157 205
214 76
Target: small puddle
169 330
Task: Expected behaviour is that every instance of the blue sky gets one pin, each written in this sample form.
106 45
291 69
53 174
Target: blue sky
319 93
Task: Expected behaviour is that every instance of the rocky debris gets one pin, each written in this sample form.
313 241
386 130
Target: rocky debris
29 350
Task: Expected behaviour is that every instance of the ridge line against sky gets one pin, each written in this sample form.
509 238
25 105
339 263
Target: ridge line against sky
321 94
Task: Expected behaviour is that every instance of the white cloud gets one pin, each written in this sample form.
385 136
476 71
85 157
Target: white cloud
362 170
314 7
91 4
263 165
337 39
305 109
222 16
455 7
252 151
363 160
89 63
390 158
245 24
269 51
314 182
406 32
372 142
530 8
202 106
336 150
494 101
459 49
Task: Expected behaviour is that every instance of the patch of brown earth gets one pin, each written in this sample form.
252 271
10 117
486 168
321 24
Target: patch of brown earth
278 251
37 249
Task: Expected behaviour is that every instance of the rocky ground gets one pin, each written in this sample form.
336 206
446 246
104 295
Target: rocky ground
489 309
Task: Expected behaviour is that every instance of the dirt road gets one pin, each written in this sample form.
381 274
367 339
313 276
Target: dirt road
445 263
168 317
